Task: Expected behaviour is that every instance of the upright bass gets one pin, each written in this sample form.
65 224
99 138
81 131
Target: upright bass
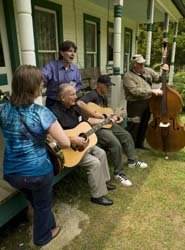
165 132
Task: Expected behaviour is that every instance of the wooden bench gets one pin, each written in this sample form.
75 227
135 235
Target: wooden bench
89 78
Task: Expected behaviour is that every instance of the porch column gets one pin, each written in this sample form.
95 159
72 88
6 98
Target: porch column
171 73
25 26
25 29
150 18
116 78
136 42
166 26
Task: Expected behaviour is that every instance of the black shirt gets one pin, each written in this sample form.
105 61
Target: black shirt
93 96
68 117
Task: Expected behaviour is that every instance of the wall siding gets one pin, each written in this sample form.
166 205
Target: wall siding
74 32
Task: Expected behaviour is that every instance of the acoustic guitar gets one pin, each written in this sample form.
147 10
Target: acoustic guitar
73 155
106 111
70 157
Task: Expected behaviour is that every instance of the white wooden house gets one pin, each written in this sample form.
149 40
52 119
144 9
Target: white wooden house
105 32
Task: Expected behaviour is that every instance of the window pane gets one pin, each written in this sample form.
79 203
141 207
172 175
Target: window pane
44 58
127 42
46 30
127 49
2 62
91 37
110 44
90 61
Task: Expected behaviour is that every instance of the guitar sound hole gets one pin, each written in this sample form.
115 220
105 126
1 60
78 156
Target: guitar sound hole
83 135
86 138
81 148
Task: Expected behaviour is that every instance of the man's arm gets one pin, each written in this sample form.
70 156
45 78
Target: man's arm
46 73
90 113
78 80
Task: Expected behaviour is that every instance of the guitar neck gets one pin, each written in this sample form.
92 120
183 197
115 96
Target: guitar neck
98 127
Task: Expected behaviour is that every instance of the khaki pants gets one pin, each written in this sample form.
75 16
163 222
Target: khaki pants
96 165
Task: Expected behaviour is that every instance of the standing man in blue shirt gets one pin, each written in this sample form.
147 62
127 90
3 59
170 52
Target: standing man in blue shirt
61 71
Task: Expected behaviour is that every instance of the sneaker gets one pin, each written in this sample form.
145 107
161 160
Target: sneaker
123 180
138 164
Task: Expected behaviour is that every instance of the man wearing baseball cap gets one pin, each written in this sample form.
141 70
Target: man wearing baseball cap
106 80
138 91
115 140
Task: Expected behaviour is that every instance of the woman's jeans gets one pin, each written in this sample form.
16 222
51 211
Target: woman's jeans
38 190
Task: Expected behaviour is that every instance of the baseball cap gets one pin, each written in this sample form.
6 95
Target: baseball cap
138 59
105 79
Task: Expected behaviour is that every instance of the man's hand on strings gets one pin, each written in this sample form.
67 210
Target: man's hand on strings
157 92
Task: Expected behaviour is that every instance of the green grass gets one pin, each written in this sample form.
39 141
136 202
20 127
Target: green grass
148 216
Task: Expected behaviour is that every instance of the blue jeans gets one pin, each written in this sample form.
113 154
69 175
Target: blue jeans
38 190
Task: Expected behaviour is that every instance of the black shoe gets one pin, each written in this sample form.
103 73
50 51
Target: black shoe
110 186
103 200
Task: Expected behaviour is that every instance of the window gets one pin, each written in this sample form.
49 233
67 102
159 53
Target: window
47 29
91 41
110 46
110 42
127 48
2 62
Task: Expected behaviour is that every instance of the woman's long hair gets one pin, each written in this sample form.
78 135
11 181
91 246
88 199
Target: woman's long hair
26 85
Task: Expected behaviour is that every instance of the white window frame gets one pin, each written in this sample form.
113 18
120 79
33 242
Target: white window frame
96 49
55 52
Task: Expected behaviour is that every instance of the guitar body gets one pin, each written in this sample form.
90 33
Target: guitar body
104 111
73 156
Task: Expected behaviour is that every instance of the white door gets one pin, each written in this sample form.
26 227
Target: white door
5 65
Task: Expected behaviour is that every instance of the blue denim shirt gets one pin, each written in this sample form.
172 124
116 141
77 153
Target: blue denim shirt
54 73
23 155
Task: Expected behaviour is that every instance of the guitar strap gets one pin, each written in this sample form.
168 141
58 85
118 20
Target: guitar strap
37 139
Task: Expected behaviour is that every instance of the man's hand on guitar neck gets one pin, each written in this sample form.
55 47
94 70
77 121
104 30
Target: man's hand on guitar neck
113 119
117 119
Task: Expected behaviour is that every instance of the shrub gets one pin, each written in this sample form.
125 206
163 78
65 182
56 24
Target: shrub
179 85
157 67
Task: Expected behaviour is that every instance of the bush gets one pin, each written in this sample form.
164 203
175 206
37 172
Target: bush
157 67
179 85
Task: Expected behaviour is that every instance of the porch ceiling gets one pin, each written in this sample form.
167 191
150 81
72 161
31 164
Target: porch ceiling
137 9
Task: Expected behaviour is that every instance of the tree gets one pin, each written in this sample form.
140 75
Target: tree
157 37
